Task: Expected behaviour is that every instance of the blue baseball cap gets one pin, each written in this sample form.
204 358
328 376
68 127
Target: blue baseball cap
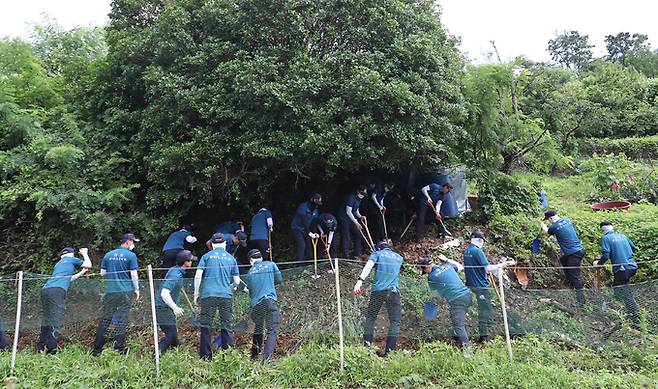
129 236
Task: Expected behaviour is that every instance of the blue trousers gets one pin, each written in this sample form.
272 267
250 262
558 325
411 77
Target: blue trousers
210 306
52 310
265 314
167 323
115 306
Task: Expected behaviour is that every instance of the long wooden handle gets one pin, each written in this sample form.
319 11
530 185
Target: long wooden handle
597 277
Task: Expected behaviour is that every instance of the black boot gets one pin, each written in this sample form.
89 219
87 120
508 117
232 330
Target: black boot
484 339
580 298
391 342
256 345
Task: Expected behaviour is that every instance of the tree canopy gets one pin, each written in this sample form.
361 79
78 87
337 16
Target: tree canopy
181 109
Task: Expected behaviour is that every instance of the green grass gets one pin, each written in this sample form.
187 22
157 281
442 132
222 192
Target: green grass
537 364
569 195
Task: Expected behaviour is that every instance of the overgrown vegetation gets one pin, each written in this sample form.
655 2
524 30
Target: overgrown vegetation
538 364
181 109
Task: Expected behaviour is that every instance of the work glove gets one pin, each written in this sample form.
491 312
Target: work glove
357 288
196 300
382 209
84 251
508 263
363 219
136 295
596 263
429 202
178 311
439 217
358 226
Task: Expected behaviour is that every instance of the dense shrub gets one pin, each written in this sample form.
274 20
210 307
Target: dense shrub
635 148
502 194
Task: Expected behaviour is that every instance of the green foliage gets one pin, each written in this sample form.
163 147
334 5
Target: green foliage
618 178
538 364
512 235
619 103
500 194
645 62
269 94
571 50
635 148
570 196
499 132
54 184
623 44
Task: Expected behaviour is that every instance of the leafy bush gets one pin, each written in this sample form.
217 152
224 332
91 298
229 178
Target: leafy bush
513 234
636 148
538 364
618 178
502 194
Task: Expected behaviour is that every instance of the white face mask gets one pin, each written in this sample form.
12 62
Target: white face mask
360 196
478 242
131 247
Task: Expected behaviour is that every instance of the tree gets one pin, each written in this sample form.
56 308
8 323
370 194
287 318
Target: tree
226 102
619 103
644 61
53 185
622 44
571 50
500 134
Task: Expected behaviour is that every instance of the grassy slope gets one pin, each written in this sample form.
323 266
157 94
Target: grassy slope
538 364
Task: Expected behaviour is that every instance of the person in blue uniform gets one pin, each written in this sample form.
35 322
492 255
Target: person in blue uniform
376 206
166 300
572 249
4 342
216 276
444 281
234 240
349 223
119 268
261 281
477 266
431 198
53 296
619 249
262 225
230 227
324 227
301 226
384 291
175 243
